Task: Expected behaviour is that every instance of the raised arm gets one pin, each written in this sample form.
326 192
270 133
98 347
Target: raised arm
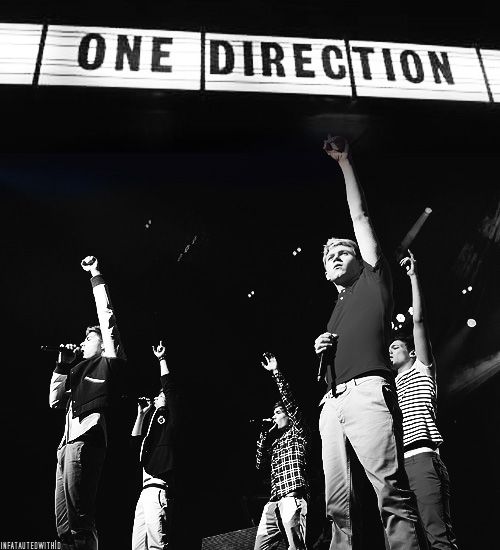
338 149
169 386
292 410
423 348
105 312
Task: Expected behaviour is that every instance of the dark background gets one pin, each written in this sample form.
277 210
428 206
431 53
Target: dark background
82 171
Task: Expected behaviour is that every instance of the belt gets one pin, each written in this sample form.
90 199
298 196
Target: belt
414 452
156 484
342 387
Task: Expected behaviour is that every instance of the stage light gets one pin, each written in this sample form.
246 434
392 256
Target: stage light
410 310
428 210
294 253
464 291
299 249
469 288
400 317
400 326
471 323
392 324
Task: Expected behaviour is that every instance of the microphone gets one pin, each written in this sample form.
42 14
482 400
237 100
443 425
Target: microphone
252 420
325 356
60 348
321 367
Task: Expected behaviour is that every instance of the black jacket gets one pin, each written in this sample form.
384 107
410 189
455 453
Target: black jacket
159 437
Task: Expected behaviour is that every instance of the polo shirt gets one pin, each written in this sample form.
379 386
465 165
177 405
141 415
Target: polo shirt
362 319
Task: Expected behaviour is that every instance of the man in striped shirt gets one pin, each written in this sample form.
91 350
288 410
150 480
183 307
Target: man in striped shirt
285 444
417 390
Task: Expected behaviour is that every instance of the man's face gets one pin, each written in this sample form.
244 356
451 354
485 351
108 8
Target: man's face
280 417
399 354
92 345
341 265
160 400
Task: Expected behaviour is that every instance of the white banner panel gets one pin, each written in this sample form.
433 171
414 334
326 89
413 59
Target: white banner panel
276 64
18 52
491 62
123 58
416 71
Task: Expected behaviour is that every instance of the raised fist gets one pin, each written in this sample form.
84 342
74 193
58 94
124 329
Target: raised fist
336 147
89 263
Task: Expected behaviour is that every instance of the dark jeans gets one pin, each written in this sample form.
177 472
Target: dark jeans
430 482
78 471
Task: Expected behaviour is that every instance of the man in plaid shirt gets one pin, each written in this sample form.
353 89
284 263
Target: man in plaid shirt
286 445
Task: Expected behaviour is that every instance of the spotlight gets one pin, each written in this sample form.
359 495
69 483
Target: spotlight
469 288
299 249
400 317
464 291
428 210
471 323
294 253
410 310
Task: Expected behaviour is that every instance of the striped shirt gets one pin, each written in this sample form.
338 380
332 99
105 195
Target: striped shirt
287 450
417 393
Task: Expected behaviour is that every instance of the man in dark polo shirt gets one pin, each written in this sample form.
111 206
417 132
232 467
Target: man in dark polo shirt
360 412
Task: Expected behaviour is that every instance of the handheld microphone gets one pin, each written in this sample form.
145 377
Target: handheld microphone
59 348
321 367
325 356
252 420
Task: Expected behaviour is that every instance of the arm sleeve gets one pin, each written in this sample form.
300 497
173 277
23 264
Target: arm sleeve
58 396
107 319
262 456
172 398
289 402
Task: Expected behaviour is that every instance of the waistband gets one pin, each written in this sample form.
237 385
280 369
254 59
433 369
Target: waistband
414 452
163 486
341 388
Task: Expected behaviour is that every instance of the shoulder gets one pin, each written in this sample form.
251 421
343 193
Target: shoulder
425 370
380 269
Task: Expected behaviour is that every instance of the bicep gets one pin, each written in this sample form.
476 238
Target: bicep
366 239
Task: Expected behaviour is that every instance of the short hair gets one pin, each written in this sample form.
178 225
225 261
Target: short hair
280 404
96 329
406 339
345 242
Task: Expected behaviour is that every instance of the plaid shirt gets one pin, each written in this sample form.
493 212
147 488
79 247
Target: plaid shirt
287 450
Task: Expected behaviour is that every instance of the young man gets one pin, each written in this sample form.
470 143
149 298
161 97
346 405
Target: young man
86 389
360 412
417 393
285 444
153 513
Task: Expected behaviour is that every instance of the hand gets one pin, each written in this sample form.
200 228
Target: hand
90 263
143 405
324 341
68 354
270 363
410 264
336 147
159 351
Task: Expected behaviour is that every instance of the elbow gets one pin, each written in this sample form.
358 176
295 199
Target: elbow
360 217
